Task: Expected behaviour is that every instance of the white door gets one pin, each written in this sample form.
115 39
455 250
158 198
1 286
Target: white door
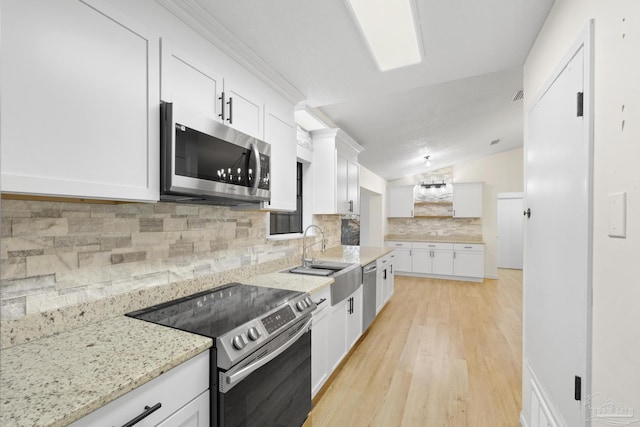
510 223
557 278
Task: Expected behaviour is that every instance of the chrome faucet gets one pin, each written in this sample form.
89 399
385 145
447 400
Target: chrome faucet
306 261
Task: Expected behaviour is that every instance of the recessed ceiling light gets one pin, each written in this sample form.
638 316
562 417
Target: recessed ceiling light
307 121
390 30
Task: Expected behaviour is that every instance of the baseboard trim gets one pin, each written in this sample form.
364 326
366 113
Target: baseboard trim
442 277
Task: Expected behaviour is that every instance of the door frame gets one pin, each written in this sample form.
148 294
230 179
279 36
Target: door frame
584 41
507 196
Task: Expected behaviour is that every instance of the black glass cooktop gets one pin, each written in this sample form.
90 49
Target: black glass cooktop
215 312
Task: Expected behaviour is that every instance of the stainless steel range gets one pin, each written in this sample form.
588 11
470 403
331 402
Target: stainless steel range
261 358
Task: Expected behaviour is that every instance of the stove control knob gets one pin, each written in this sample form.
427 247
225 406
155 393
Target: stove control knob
238 342
301 305
308 301
253 333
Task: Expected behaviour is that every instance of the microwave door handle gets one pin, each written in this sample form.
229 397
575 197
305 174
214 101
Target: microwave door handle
256 182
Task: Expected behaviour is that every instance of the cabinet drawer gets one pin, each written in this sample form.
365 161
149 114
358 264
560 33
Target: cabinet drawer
472 247
432 245
394 244
173 390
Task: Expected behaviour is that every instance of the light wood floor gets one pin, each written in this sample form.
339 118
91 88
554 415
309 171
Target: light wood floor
441 353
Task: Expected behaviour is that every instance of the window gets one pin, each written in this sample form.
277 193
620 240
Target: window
289 222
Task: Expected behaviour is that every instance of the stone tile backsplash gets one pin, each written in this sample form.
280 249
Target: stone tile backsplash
58 254
471 228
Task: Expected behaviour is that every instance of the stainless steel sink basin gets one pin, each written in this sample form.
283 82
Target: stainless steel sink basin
347 277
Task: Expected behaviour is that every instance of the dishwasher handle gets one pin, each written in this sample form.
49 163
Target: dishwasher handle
369 268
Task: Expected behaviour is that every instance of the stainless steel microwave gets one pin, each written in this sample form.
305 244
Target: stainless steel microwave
204 161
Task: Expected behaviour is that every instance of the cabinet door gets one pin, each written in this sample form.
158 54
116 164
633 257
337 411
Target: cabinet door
319 350
342 184
186 80
354 319
469 264
353 188
281 134
193 414
243 111
403 260
80 101
442 262
379 289
467 200
421 261
400 202
337 347
391 275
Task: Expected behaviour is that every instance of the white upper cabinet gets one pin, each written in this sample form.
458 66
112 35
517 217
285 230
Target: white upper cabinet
280 132
199 81
467 200
80 101
336 187
190 81
243 109
400 202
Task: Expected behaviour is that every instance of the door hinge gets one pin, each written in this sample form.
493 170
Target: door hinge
577 392
580 106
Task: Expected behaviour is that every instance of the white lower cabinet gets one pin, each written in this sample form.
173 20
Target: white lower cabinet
181 395
337 334
193 414
345 327
469 260
437 259
432 258
354 318
320 368
385 280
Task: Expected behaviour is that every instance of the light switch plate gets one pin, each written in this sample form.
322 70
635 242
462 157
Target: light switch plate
617 221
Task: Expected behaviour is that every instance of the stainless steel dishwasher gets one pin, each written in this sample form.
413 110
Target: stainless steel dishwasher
369 278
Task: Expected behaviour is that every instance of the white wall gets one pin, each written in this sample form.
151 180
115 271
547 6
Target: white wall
616 287
373 208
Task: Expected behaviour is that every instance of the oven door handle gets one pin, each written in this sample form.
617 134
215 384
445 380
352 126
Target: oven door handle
247 370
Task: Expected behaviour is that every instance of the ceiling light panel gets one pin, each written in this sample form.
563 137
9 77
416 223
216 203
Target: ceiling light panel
389 28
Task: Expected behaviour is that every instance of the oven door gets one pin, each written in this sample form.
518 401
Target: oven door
273 389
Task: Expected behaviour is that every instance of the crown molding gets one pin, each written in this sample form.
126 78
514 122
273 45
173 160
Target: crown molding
201 21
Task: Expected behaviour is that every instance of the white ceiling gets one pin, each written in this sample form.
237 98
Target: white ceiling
451 106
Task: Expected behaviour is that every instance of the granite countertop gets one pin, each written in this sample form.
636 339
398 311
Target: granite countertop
303 283
362 255
442 239
57 380
290 282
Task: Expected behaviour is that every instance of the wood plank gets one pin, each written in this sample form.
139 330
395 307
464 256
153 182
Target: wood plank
441 353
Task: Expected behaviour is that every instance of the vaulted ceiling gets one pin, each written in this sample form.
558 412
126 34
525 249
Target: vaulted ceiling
450 107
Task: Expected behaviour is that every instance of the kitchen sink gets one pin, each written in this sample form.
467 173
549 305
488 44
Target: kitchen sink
321 268
347 277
